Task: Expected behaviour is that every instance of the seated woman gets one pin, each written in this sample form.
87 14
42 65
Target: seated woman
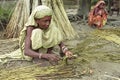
40 32
98 15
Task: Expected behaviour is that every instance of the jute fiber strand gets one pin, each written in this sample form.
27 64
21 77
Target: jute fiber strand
26 73
61 19
107 35
19 17
31 72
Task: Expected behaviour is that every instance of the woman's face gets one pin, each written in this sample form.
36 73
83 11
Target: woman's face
102 5
44 22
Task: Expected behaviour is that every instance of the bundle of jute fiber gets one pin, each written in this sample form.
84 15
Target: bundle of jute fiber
60 18
19 17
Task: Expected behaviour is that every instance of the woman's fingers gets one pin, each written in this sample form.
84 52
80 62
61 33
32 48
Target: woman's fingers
68 54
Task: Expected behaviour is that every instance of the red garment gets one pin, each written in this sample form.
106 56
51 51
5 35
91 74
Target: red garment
98 15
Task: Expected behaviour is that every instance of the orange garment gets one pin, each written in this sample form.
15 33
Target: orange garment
97 16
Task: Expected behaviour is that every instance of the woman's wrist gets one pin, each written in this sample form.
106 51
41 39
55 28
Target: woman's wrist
40 56
64 49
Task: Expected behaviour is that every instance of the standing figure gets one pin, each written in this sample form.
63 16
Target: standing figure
98 15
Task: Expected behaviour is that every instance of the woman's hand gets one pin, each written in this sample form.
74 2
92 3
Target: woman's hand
68 54
50 57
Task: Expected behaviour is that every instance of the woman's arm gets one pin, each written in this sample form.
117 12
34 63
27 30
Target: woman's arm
65 50
32 53
97 11
28 50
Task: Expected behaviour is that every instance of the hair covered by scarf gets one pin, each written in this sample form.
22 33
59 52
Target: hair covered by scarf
99 2
39 12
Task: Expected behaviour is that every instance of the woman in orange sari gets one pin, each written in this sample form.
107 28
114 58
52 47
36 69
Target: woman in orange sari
98 15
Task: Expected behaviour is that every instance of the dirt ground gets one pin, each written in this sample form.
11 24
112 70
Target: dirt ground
98 56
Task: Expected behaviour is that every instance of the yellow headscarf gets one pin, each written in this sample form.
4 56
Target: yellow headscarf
39 12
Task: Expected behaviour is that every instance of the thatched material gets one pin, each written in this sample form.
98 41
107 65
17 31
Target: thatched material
61 19
19 17
22 12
